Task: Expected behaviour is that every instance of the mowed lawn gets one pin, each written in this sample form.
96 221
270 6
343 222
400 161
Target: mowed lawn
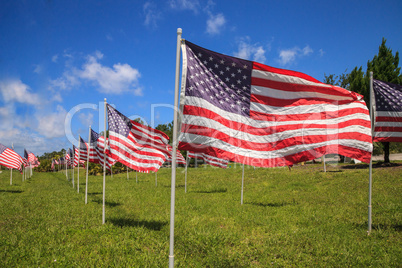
298 218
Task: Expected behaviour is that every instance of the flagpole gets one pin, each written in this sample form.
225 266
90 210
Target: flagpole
11 170
185 174
127 171
79 157
371 157
174 145
136 176
73 167
323 160
65 163
104 170
88 151
242 185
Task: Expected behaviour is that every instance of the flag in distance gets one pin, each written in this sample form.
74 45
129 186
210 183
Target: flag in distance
76 154
83 150
32 160
179 157
258 115
9 158
388 112
134 145
93 144
210 160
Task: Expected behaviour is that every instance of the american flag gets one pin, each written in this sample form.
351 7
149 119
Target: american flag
68 157
83 149
76 154
179 157
32 160
52 164
210 160
388 112
258 115
134 145
93 144
9 158
97 148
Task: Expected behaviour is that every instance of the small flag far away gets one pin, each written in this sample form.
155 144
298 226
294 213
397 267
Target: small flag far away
388 112
258 115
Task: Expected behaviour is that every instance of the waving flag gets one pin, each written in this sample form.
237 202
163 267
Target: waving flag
210 160
68 157
76 154
179 157
83 149
32 160
93 144
134 145
388 112
258 115
9 158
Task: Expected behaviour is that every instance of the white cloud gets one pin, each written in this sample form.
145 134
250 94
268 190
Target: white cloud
289 56
192 5
121 78
86 119
321 52
15 90
116 80
37 69
215 23
55 58
250 51
152 15
51 125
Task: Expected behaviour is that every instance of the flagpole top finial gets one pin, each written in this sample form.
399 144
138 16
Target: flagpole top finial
179 31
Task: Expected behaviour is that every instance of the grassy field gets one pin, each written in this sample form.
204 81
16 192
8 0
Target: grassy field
297 218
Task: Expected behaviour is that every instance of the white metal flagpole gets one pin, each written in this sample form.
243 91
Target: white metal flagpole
136 176
323 160
11 170
174 145
104 170
156 179
79 157
185 174
127 171
242 185
372 118
86 179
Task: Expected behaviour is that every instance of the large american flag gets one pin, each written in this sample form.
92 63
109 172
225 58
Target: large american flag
208 159
388 112
9 158
258 115
134 145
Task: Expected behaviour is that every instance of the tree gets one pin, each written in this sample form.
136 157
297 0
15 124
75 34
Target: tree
385 68
167 128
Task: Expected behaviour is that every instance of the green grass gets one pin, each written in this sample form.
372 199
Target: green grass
297 218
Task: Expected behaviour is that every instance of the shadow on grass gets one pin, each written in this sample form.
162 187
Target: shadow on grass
94 193
107 203
379 227
151 225
212 191
278 204
376 165
11 191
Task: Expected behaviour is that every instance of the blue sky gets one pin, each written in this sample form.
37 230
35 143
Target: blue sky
60 59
